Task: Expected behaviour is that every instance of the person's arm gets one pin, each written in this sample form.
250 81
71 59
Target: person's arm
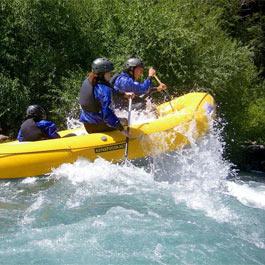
103 94
159 88
129 85
19 136
48 128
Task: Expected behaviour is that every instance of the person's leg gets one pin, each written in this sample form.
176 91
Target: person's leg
3 138
95 128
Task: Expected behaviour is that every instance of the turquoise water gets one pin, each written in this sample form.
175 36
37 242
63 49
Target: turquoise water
179 208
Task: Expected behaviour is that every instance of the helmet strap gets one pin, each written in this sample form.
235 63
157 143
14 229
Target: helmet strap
131 72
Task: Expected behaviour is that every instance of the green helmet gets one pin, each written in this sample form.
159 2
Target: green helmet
102 65
132 63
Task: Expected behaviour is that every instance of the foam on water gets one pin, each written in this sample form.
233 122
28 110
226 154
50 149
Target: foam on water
198 174
251 194
178 208
137 116
29 180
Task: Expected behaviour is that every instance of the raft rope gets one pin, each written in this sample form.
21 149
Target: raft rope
70 149
198 105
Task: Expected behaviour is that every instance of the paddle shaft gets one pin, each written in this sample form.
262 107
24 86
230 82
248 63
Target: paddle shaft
165 91
128 128
157 79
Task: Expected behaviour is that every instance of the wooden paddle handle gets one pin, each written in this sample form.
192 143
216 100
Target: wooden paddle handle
165 91
157 79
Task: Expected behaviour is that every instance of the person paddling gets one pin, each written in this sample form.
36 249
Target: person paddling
35 126
128 81
95 99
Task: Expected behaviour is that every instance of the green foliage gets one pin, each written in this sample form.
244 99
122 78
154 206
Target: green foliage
255 123
41 41
245 21
65 100
14 98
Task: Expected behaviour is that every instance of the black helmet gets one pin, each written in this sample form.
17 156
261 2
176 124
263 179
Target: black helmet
36 111
102 65
132 63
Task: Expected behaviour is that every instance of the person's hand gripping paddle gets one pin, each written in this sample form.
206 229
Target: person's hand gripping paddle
162 87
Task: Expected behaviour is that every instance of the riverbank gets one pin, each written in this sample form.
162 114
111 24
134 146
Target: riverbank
254 157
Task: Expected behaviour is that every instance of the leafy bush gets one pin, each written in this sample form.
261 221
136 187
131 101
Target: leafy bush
66 99
14 99
255 124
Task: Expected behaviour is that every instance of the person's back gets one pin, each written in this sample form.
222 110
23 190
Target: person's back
35 127
87 99
95 99
29 131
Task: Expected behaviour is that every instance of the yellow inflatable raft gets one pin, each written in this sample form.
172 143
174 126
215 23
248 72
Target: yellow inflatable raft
177 119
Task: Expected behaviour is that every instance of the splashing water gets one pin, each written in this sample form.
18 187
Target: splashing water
137 116
176 208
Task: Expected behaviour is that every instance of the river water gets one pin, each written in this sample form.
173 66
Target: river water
186 207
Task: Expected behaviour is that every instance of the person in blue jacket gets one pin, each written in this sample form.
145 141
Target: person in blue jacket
95 99
35 126
127 81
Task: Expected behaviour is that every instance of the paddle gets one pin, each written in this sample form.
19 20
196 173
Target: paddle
165 91
128 128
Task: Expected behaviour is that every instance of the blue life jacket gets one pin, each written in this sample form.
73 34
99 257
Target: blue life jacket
35 131
103 94
125 83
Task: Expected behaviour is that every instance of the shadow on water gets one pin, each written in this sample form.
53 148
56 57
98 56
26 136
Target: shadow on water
257 176
246 176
